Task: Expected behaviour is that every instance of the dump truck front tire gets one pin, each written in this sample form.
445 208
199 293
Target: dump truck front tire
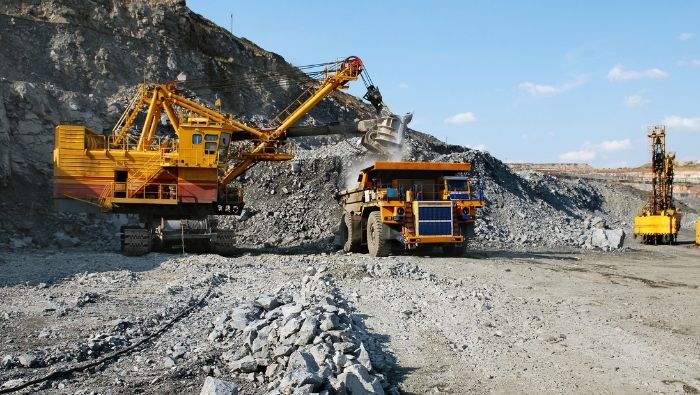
454 250
377 242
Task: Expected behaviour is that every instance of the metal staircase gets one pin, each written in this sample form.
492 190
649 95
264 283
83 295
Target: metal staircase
143 175
410 221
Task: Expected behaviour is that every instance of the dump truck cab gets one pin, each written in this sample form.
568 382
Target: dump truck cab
405 205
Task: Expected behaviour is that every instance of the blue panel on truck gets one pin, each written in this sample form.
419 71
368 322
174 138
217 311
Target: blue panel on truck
435 213
428 228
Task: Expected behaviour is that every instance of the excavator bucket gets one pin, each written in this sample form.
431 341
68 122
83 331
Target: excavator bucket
384 134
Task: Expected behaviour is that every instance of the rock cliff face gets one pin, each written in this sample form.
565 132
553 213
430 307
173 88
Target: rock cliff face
78 61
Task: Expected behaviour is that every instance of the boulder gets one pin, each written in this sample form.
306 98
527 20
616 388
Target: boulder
246 364
267 302
616 238
357 380
213 386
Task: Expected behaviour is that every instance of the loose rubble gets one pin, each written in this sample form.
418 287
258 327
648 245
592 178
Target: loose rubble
302 339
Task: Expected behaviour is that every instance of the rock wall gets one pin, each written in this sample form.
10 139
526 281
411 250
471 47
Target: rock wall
79 61
85 59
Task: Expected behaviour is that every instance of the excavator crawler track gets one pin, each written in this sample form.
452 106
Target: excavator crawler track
136 241
223 242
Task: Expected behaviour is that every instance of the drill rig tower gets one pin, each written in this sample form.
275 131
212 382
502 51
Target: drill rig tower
659 220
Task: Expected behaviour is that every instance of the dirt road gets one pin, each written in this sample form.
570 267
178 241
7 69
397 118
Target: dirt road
561 321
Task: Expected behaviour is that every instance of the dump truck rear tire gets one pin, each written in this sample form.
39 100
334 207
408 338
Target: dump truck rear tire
352 242
377 243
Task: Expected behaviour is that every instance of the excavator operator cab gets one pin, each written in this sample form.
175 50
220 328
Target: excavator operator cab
203 147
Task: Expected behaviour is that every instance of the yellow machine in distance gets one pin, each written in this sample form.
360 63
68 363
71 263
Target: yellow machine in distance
659 221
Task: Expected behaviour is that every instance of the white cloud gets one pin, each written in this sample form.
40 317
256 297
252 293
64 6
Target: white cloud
685 36
618 73
550 90
636 101
591 151
614 145
403 85
583 155
538 89
461 118
682 123
691 62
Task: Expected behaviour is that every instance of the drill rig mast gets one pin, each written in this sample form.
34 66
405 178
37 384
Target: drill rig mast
659 220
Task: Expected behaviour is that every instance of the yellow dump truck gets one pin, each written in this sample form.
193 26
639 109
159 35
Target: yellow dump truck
405 205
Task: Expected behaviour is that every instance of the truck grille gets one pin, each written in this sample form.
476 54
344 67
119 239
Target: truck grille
434 218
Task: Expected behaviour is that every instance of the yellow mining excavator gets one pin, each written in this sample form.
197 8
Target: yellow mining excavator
659 221
171 160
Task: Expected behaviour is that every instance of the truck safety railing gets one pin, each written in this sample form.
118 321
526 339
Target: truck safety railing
425 192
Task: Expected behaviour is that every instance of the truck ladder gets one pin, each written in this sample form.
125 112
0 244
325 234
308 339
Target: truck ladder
298 102
409 220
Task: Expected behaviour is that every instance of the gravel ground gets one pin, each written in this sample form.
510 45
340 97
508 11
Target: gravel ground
549 320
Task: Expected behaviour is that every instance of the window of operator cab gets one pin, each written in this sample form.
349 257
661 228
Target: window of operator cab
210 143
456 185
223 146
196 139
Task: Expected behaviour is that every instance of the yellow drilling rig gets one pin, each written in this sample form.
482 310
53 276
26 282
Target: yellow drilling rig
172 161
659 221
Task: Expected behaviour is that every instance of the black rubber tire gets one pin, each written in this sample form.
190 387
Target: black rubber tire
454 250
377 244
351 241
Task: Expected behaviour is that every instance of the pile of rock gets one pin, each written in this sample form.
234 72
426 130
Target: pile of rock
306 341
597 236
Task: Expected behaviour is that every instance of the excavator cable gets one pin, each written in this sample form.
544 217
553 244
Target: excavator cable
57 374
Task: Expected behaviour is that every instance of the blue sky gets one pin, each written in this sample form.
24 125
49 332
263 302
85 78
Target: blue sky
551 82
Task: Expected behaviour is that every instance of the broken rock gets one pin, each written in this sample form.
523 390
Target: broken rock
246 364
213 386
